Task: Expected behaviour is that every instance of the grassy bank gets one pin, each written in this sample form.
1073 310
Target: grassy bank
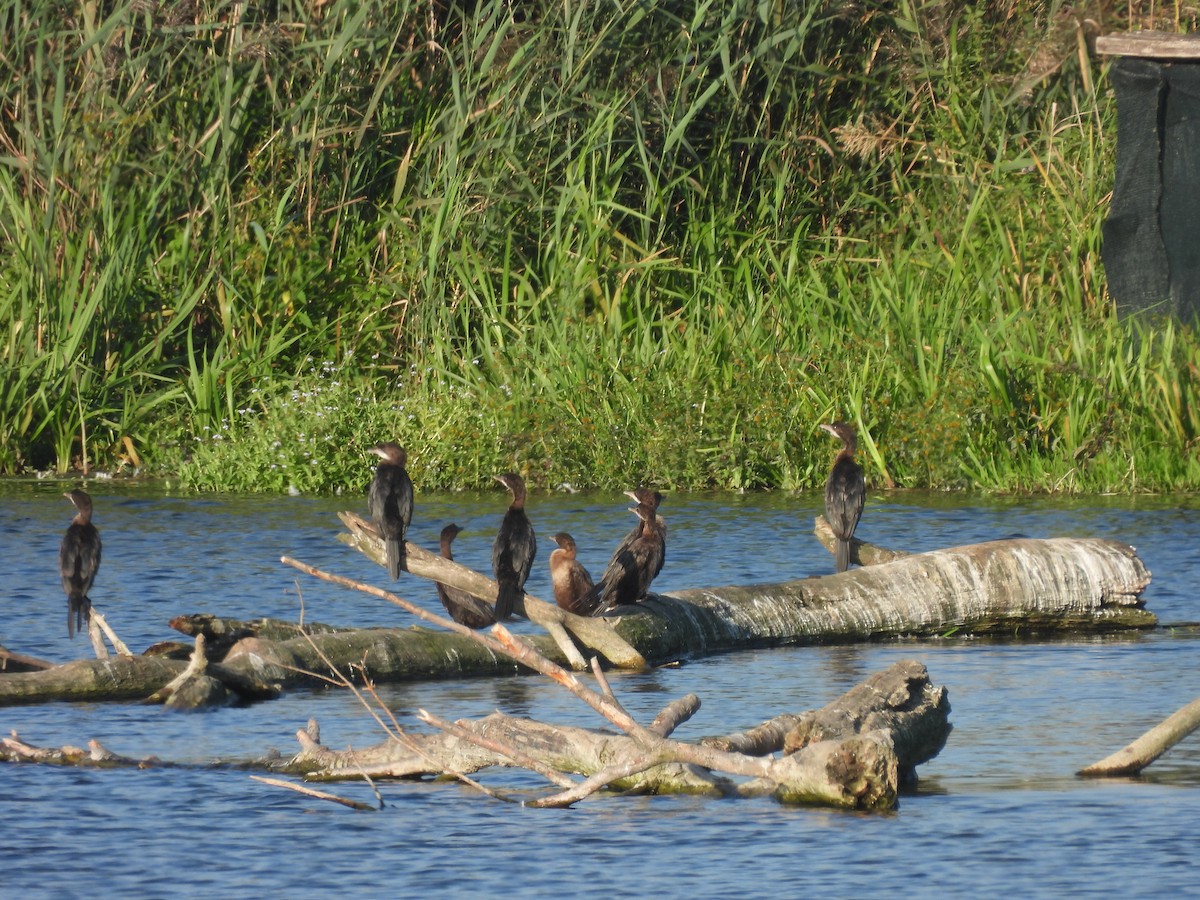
599 244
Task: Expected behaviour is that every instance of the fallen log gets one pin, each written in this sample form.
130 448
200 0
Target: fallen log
595 634
854 753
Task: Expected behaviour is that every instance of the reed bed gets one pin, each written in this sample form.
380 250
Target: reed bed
600 244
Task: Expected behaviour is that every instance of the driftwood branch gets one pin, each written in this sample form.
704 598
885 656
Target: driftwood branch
19 662
861 553
318 795
857 767
1150 746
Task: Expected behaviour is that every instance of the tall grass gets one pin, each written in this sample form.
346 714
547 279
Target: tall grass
598 243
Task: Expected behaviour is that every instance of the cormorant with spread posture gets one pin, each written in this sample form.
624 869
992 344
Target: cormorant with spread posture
633 566
845 493
513 550
78 560
465 609
390 500
572 583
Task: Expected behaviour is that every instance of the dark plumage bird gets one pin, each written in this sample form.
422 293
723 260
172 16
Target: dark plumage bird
572 583
845 493
635 563
651 500
513 550
390 500
78 560
465 609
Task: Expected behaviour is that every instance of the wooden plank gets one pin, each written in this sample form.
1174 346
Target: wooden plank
1150 45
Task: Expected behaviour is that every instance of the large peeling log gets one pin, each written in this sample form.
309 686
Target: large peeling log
1018 586
1026 587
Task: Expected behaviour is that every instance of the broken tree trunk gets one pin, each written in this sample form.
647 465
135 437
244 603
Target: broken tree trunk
854 753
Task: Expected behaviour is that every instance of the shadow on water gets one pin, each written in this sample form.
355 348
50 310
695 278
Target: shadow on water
999 809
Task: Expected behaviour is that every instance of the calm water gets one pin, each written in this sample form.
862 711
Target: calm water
999 809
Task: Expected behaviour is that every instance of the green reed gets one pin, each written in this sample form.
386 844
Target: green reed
600 244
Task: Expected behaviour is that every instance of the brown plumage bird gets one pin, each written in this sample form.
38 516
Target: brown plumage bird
465 609
78 560
390 500
845 493
571 581
513 549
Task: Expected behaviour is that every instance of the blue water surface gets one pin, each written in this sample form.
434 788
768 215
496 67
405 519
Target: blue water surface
1000 809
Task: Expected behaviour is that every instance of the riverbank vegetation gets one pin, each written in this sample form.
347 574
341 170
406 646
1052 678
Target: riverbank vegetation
597 243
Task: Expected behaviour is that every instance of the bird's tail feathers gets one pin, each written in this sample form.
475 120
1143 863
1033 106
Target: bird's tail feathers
506 599
78 611
841 554
394 552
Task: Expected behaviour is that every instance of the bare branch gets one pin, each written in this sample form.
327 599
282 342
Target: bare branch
1150 746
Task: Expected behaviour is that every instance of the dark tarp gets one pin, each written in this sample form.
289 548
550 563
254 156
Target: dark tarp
1152 236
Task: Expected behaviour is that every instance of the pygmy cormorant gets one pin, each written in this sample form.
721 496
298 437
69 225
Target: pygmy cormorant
571 581
390 500
465 609
845 493
513 550
78 560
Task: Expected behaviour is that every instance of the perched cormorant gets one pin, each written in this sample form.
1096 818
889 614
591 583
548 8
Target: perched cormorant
651 500
513 550
78 560
572 583
465 609
845 493
633 566
390 500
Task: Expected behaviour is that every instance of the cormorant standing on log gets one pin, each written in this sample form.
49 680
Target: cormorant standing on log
78 560
845 493
572 583
633 566
651 500
390 500
464 608
513 550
